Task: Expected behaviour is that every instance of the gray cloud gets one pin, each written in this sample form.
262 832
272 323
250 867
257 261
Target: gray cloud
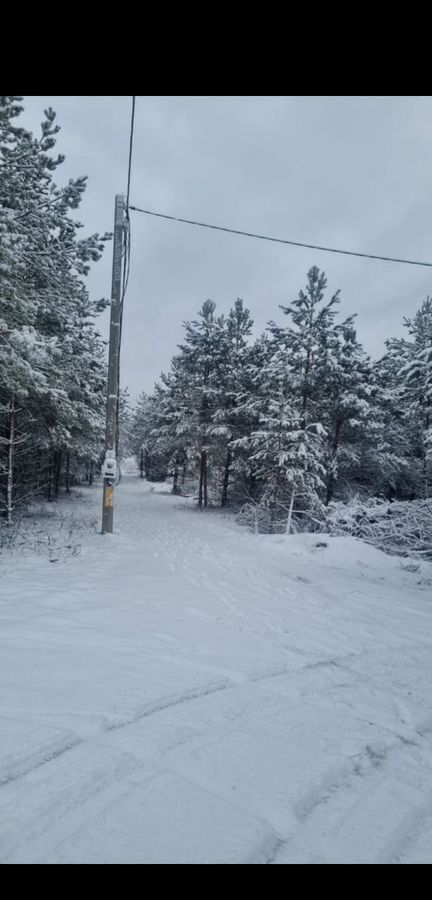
352 172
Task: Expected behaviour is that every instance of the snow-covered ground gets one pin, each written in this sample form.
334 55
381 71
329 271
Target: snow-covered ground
183 691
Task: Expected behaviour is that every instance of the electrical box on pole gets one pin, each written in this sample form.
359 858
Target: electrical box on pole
109 467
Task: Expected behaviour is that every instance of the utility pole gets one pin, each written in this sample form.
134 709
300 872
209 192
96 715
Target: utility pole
110 465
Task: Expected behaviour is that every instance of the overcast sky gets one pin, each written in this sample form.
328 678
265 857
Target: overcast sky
349 172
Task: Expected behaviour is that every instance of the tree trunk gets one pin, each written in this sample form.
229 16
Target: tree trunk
330 488
50 479
200 489
205 479
57 472
9 486
202 497
202 479
176 489
273 508
147 466
91 472
426 461
289 520
305 388
252 485
224 498
67 476
141 467
331 480
275 502
272 513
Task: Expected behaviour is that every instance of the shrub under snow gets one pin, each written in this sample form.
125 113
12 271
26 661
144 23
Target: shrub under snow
399 528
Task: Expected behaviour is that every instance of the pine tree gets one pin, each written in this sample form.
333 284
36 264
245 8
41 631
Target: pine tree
202 362
124 426
287 454
147 441
302 348
51 357
227 418
413 365
346 406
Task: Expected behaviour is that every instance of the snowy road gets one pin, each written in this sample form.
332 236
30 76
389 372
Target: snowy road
185 692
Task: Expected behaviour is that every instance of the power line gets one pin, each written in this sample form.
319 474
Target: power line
126 269
130 153
264 237
126 253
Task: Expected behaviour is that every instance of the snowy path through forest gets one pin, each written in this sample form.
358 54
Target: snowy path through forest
184 691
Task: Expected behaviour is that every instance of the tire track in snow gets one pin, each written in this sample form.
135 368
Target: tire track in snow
31 764
406 835
53 805
171 700
345 791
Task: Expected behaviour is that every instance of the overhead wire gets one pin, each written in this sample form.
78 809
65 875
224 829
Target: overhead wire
265 237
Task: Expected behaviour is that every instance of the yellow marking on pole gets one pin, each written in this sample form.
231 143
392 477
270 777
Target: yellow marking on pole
109 495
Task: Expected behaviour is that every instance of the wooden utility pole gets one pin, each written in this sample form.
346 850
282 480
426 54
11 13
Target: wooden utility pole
110 464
